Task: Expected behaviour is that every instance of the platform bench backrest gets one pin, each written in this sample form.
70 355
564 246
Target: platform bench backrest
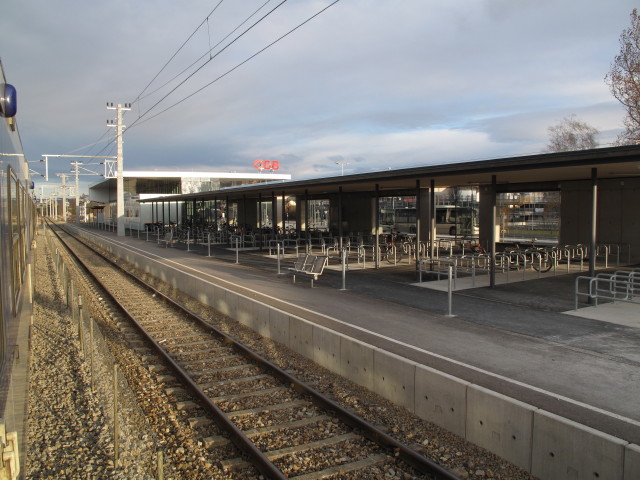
318 265
308 266
301 262
166 239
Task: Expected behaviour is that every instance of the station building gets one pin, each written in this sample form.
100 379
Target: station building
141 185
595 196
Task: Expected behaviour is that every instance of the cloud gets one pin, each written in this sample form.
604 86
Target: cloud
372 83
361 152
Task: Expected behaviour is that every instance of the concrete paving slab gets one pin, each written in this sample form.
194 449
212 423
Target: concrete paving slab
620 313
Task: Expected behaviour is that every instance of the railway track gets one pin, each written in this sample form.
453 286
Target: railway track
248 413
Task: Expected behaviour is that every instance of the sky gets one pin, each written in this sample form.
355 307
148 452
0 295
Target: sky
365 85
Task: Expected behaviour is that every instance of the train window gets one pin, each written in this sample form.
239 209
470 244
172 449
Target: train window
17 237
22 222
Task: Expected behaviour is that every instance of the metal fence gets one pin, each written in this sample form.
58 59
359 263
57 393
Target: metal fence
134 441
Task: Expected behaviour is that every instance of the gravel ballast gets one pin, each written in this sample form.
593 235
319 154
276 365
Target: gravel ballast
69 434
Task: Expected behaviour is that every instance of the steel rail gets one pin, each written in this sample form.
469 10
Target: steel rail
408 455
256 456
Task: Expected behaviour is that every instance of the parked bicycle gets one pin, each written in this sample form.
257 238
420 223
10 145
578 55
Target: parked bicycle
545 260
541 259
472 246
395 247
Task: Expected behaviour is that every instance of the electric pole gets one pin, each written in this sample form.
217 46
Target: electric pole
77 167
63 177
120 182
77 196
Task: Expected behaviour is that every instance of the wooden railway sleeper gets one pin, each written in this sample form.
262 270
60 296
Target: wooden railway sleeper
203 362
256 393
221 383
260 460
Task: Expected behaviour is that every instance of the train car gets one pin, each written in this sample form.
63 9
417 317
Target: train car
18 222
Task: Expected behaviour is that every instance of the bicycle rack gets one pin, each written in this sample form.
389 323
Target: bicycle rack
438 271
623 286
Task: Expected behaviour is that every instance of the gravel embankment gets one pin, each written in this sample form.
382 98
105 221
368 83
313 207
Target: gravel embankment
68 436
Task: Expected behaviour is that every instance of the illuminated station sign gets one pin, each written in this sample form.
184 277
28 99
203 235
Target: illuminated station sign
267 164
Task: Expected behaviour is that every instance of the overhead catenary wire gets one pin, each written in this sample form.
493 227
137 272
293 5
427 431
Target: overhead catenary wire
93 144
138 122
141 97
214 56
178 50
110 147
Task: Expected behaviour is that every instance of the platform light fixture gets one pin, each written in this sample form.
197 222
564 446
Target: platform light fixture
342 164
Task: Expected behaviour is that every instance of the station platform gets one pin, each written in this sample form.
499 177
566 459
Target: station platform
522 339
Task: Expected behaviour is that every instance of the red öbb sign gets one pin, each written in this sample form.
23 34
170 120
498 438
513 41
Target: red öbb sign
267 164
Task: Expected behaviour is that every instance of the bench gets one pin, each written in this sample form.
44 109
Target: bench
310 265
167 239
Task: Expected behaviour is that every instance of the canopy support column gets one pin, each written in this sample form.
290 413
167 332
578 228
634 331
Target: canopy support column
492 233
418 213
376 245
432 220
594 223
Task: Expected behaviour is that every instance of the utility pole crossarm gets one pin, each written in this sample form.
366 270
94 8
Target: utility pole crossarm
46 156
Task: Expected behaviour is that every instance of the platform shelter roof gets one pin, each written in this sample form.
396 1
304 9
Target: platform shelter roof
529 172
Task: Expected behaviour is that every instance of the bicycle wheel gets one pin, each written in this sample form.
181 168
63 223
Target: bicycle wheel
544 265
393 254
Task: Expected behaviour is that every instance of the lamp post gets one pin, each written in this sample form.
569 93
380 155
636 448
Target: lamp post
342 164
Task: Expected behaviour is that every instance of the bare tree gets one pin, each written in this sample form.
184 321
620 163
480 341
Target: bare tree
571 134
624 79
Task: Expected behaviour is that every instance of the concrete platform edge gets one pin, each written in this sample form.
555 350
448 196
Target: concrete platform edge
502 418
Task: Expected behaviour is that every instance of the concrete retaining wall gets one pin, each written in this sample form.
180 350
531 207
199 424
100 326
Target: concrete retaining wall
500 424
441 399
631 461
566 449
548 446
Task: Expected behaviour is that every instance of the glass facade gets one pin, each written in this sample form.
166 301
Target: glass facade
137 188
160 186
